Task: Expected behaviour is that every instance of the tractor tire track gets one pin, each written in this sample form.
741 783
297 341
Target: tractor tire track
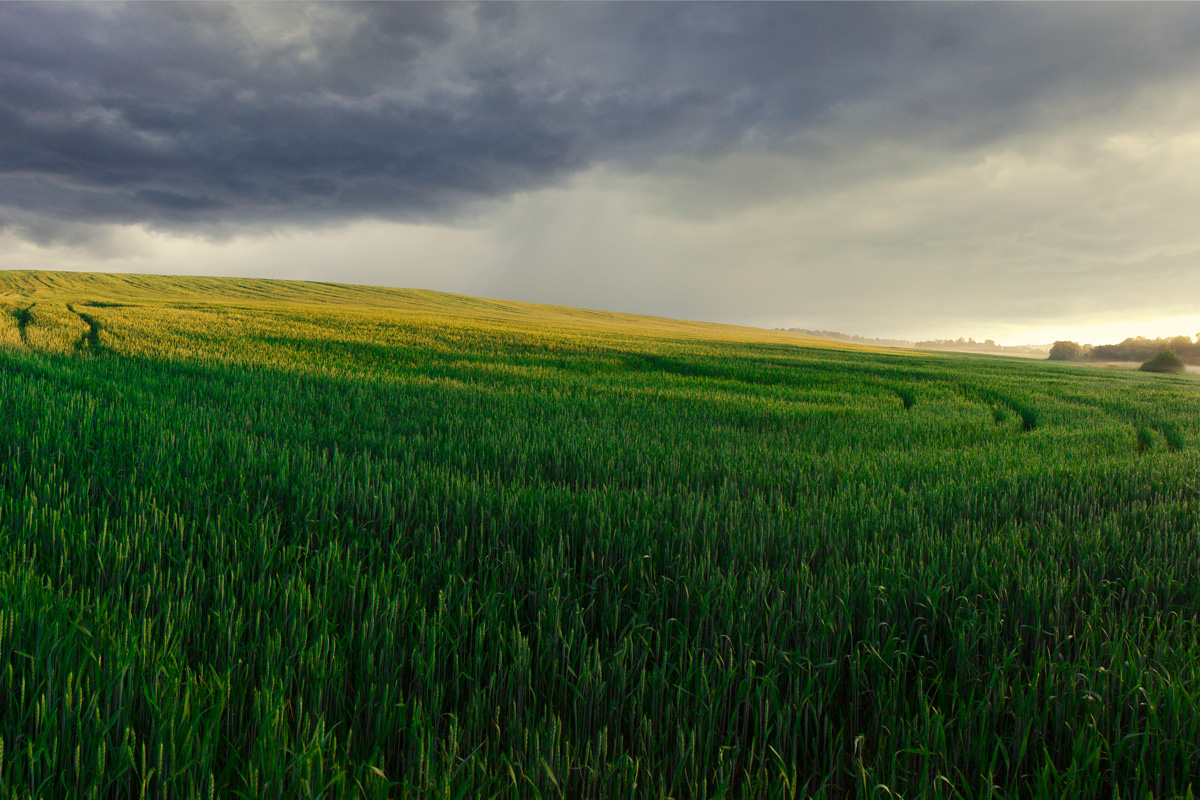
90 341
999 402
24 318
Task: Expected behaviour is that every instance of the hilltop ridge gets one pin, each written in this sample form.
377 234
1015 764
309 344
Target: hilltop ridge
20 289
19 285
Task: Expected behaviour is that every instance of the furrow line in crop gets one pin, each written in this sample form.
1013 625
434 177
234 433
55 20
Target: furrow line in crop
24 317
1027 413
1144 420
90 341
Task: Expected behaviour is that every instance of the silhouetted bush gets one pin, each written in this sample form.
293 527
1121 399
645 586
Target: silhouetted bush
1165 361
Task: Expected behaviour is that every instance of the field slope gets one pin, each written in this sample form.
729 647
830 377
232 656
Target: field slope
281 539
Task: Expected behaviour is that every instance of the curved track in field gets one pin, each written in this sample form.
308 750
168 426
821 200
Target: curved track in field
90 341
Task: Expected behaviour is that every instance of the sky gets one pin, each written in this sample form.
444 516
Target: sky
1017 171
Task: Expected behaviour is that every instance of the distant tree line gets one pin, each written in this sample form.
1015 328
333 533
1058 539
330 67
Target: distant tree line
1133 349
970 345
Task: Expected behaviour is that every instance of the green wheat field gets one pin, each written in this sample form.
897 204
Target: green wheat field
267 539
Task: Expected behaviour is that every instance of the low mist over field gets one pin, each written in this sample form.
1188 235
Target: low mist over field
1018 172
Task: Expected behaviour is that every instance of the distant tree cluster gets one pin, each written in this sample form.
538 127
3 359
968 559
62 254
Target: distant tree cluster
1067 351
1142 349
1133 349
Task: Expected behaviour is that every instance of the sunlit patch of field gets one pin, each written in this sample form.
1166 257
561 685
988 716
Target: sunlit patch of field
279 539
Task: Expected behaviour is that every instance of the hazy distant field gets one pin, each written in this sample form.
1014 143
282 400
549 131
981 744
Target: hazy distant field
1194 370
295 540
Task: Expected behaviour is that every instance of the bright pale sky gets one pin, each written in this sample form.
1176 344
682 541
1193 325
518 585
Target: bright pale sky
1024 172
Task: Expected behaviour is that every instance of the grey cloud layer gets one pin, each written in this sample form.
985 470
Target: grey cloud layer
210 115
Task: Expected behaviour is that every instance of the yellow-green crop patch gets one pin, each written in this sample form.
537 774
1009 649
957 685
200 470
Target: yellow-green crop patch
277 539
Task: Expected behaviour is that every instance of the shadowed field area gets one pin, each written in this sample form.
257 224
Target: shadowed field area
277 539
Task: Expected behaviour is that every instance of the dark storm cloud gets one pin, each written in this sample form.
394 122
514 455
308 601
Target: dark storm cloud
214 116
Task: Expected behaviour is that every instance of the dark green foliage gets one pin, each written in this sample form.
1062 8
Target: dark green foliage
1142 349
1173 435
1145 438
322 555
1164 361
1065 351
